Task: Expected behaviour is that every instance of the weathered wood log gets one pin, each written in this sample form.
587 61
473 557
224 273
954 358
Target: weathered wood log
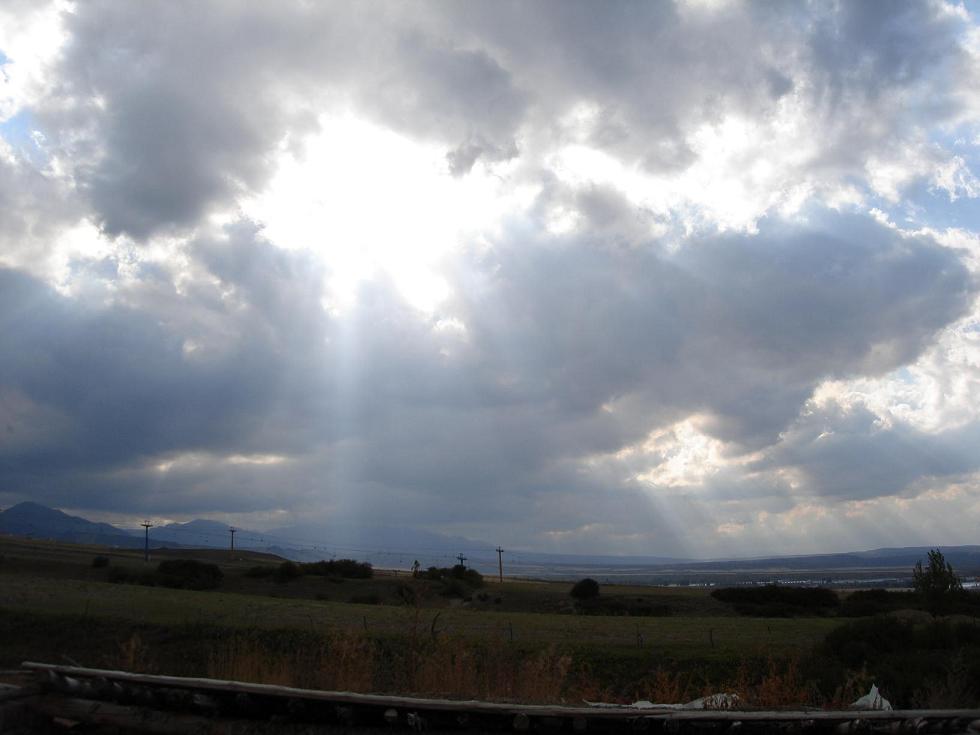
221 700
9 693
18 717
159 722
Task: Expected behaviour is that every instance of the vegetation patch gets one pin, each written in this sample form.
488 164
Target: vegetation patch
188 574
936 664
344 568
456 582
779 601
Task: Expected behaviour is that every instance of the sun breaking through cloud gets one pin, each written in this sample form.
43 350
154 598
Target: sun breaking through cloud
649 278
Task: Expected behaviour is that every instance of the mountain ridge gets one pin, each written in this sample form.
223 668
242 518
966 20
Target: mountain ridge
363 542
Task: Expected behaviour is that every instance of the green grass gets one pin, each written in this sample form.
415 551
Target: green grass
676 637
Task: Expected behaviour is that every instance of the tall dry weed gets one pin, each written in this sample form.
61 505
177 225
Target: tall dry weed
348 661
133 655
667 687
780 685
245 659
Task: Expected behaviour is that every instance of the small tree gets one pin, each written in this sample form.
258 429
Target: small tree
585 589
938 584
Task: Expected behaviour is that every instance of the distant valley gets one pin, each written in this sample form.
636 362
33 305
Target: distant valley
398 548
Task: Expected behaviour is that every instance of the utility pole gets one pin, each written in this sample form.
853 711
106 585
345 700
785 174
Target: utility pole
146 540
500 563
232 530
461 560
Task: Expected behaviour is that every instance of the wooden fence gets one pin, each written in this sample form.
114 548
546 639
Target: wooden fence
53 697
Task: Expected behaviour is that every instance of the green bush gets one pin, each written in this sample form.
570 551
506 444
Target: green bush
937 584
454 588
100 562
288 571
469 577
585 589
779 601
259 572
935 664
405 594
369 598
188 574
346 568
867 603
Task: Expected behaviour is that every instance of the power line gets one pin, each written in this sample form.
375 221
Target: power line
261 540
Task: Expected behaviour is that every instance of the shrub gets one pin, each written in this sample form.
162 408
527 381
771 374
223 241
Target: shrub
454 588
121 575
188 574
585 589
867 603
468 576
100 562
774 600
260 571
938 584
405 594
458 574
346 568
366 599
287 571
914 664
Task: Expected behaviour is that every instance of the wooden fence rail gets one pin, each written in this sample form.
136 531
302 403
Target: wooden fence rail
123 701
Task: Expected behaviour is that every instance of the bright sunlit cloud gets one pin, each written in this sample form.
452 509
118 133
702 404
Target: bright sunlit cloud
694 277
368 200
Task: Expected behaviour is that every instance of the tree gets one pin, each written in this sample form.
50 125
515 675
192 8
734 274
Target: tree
938 584
585 589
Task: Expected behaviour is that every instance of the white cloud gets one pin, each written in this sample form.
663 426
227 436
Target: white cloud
625 278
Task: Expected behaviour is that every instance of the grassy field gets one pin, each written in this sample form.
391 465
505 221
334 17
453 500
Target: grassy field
46 577
674 637
517 640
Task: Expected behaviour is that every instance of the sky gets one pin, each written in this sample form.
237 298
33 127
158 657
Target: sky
690 279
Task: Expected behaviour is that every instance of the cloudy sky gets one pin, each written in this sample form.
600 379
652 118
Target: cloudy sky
630 277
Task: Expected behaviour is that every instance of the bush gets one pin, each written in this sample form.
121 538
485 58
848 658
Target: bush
405 594
914 664
260 571
585 589
188 574
366 599
867 603
458 573
467 576
346 568
779 601
100 562
287 571
454 588
120 576
938 584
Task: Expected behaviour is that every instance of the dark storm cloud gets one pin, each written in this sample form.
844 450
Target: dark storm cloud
570 349
740 327
846 453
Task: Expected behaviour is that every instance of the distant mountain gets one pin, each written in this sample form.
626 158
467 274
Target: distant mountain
39 521
963 558
201 532
397 547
